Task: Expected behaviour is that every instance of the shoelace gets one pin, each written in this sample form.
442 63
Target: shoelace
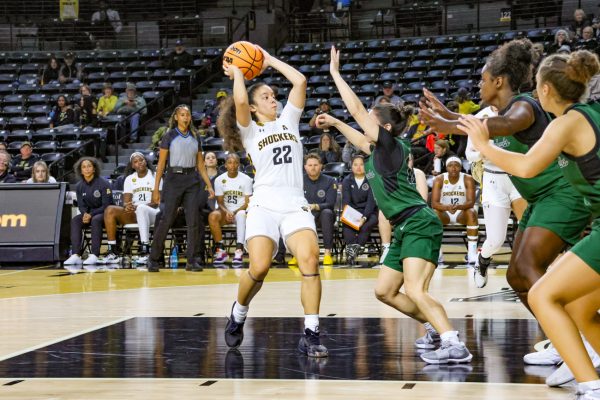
313 339
233 327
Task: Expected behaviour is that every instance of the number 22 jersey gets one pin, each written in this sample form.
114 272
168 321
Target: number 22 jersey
277 154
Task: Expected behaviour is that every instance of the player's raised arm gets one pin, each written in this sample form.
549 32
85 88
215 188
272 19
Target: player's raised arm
351 100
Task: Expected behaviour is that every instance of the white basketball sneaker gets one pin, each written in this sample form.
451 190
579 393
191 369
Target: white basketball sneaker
563 374
549 356
73 260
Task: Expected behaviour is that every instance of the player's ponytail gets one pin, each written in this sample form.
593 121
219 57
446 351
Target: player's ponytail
227 126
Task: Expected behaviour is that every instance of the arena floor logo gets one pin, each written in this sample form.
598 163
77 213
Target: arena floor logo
13 220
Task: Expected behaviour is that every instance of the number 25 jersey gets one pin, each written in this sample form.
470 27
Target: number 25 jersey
277 154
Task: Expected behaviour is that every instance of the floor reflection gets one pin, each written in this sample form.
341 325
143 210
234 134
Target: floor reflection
360 349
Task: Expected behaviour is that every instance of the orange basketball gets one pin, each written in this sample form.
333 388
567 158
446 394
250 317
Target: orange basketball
247 57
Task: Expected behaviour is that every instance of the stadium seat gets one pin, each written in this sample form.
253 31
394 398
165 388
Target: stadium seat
443 42
90 132
420 64
137 76
7 88
37 99
489 38
415 87
38 110
28 88
426 54
404 55
445 63
213 144
466 40
389 76
441 85
45 147
10 68
325 91
69 145
19 135
129 55
382 56
18 123
308 69
13 99
376 67
320 80
116 66
335 169
398 44
435 74
447 52
398 66
40 122
461 73
14 147
117 76
366 78
107 56
43 134
466 83
67 133
413 76
8 78
420 43
50 158
138 65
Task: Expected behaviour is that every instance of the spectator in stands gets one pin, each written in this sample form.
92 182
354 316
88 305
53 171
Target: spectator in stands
107 102
561 38
131 104
5 175
453 199
328 150
51 72
437 163
384 100
106 23
70 72
580 21
233 190
587 41
275 90
205 128
3 146
93 196
465 104
179 58
87 111
348 153
357 193
321 192
62 113
388 91
137 209
216 107
23 163
40 173
594 88
324 108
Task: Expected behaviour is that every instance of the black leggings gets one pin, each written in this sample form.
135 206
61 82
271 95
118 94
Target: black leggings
352 236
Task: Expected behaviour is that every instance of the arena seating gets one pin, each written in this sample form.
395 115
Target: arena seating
25 103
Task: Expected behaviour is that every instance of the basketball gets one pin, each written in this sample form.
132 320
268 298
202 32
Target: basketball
247 57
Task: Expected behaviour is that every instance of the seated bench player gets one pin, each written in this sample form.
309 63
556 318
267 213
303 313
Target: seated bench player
137 208
453 199
233 190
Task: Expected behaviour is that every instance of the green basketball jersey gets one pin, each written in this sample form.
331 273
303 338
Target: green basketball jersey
584 172
392 181
546 182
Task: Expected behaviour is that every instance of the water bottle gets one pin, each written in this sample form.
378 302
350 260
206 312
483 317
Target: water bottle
174 258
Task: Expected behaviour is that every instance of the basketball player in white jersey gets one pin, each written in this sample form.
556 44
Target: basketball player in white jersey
277 208
453 199
233 189
499 196
137 208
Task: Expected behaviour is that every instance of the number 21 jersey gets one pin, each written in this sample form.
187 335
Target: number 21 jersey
277 154
141 188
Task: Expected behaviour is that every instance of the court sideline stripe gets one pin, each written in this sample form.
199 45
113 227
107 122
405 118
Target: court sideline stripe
63 338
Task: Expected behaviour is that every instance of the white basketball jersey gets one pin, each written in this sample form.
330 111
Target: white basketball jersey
233 190
277 154
141 188
453 194
472 154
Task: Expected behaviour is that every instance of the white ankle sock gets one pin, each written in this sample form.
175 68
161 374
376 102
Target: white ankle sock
450 336
311 321
430 329
113 242
239 312
590 385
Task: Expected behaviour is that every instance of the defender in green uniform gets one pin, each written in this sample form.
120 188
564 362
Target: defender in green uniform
413 253
567 298
556 215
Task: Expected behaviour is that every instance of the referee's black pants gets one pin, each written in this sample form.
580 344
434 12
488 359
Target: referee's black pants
178 190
